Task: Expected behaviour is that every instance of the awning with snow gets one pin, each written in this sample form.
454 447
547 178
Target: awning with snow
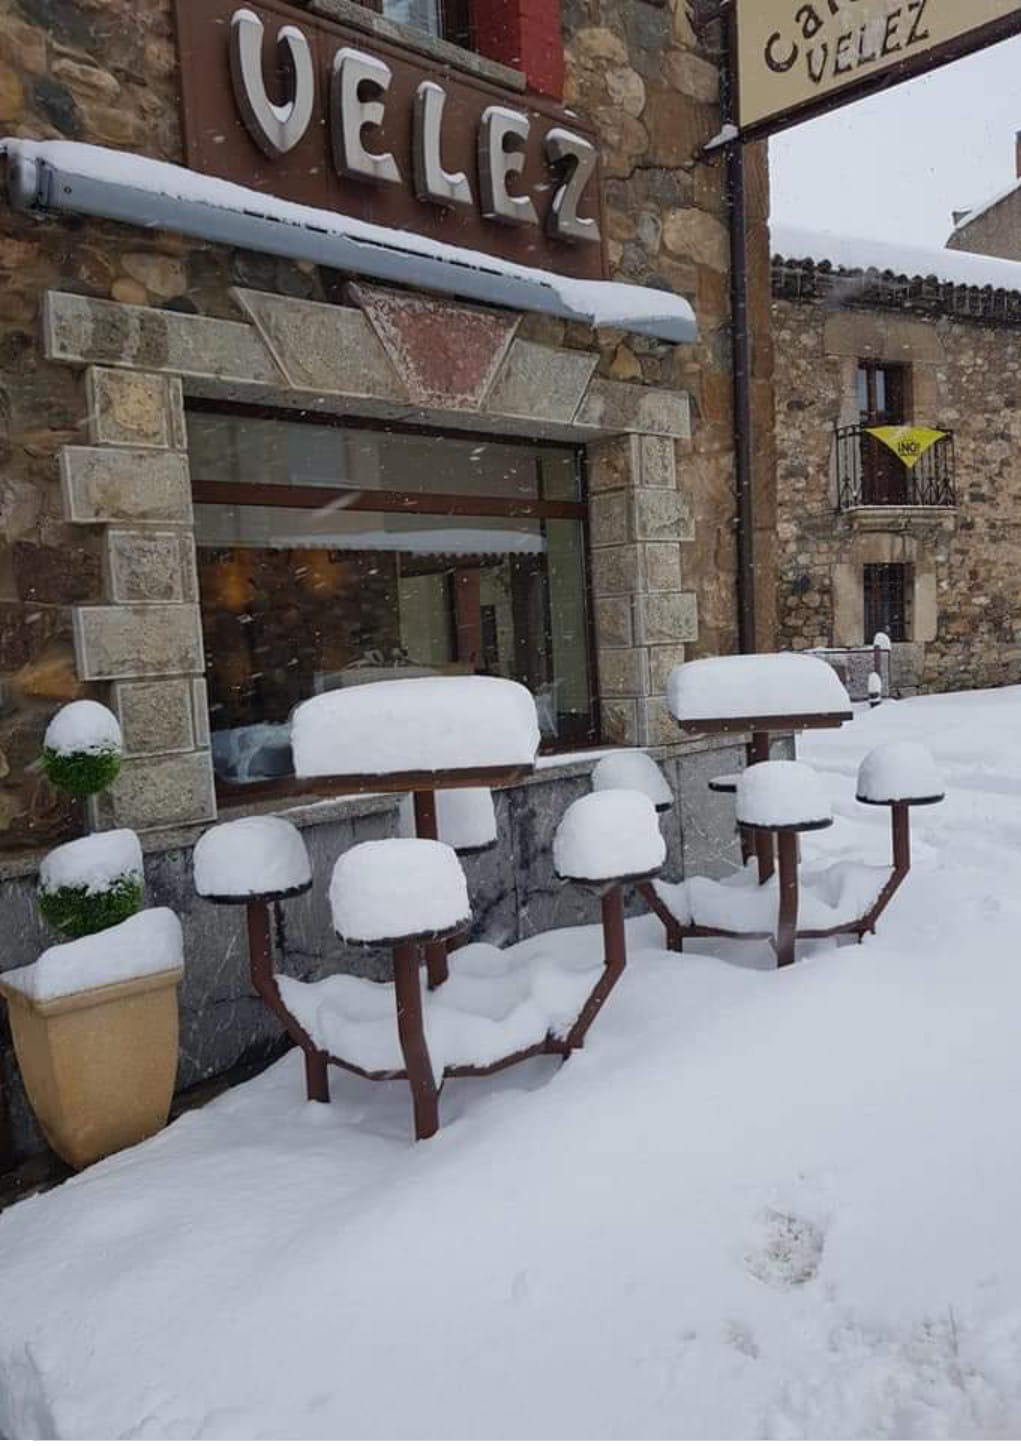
138 191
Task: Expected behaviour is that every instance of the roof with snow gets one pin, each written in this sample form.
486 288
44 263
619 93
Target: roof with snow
977 212
809 264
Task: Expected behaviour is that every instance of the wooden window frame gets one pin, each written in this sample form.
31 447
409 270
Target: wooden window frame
313 498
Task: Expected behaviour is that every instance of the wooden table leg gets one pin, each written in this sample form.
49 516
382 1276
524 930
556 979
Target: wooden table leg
762 839
411 1029
787 924
426 827
260 961
615 954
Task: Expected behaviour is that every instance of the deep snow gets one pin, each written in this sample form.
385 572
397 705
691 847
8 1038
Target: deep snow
759 1203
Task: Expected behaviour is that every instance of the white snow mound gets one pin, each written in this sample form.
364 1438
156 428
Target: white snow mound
251 856
83 727
631 768
495 1003
766 685
395 887
896 772
781 794
92 863
465 817
612 834
415 724
147 943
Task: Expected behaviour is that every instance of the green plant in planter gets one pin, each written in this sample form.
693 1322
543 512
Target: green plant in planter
94 882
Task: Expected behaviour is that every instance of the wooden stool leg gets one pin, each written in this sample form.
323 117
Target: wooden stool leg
615 954
260 961
762 839
901 823
787 926
411 1029
425 827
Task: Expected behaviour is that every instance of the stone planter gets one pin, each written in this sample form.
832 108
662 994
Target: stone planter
99 1065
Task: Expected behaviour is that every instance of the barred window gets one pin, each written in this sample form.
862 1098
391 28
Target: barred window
888 600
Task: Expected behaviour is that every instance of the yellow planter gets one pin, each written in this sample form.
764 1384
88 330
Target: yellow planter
99 1066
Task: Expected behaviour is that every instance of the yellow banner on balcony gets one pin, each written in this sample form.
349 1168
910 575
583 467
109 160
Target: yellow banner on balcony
909 443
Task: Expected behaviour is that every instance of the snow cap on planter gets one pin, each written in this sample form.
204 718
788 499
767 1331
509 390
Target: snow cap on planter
251 858
465 818
902 772
414 725
92 883
398 888
631 768
781 794
149 943
613 834
82 748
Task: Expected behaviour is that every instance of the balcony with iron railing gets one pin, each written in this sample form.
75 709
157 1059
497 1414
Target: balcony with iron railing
871 474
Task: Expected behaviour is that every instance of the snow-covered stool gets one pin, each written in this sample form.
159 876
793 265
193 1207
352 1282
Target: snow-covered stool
900 777
630 768
784 799
603 842
260 862
403 894
465 818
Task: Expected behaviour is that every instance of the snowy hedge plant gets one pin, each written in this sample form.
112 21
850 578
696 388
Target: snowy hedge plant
82 749
94 882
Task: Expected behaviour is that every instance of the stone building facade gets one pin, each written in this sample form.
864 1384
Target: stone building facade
954 352
111 335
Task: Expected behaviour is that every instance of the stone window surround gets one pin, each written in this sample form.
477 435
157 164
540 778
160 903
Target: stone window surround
372 359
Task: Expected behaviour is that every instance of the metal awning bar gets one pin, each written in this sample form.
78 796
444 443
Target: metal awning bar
44 178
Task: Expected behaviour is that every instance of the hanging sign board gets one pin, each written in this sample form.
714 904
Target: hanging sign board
910 444
797 58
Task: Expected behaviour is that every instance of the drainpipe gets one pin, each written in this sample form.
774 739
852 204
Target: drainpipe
741 343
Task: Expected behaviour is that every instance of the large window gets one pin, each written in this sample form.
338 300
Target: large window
331 556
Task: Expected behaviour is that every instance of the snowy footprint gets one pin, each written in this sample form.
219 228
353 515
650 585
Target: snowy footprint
787 1250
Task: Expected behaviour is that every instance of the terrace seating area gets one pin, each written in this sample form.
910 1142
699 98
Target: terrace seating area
458 1008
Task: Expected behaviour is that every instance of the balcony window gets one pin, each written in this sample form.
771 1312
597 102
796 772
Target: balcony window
333 555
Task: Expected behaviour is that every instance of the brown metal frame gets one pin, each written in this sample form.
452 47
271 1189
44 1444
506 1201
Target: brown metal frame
418 1069
787 932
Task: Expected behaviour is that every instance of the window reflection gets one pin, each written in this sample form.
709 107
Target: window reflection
300 600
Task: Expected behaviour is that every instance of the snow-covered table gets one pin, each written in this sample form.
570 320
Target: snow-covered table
759 694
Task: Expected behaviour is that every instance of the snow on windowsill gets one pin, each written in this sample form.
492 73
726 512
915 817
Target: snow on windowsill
605 303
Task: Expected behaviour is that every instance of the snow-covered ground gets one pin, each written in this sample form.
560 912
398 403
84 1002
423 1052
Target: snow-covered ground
757 1204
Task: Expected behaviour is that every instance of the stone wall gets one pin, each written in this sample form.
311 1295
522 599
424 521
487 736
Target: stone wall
106 73
966 608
